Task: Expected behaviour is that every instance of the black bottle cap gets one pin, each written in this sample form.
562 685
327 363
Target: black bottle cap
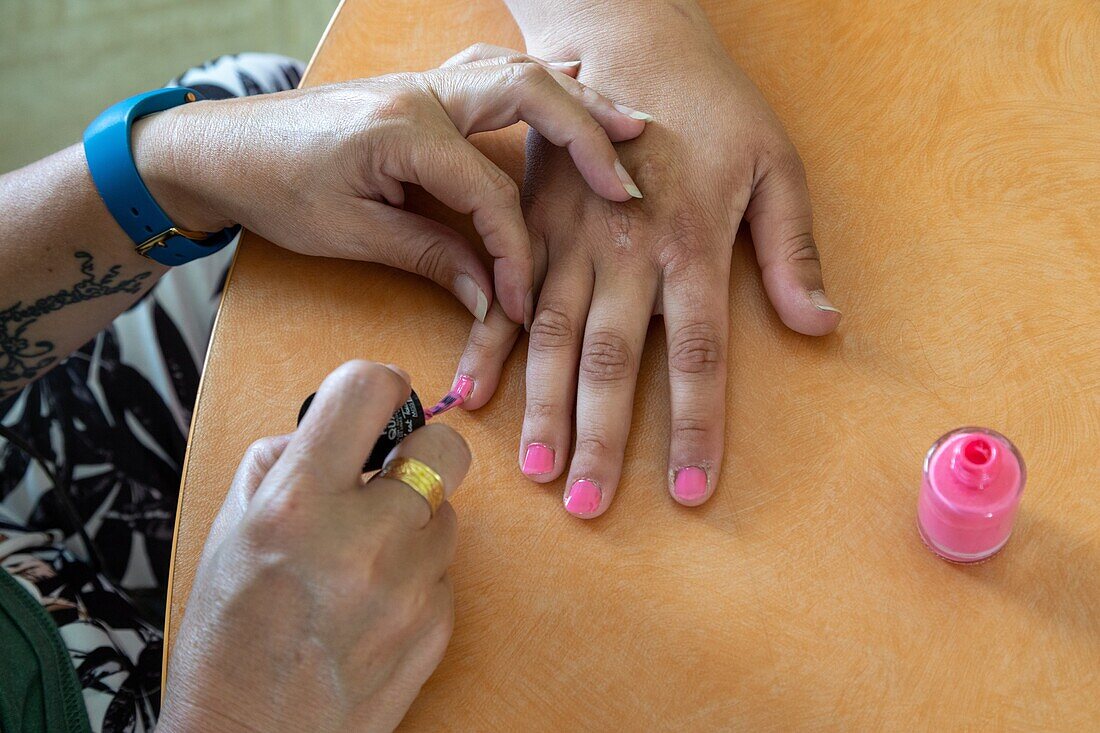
405 419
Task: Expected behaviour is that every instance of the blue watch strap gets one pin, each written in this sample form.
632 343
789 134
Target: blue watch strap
111 164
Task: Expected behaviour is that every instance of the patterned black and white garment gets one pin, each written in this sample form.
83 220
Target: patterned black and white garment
111 422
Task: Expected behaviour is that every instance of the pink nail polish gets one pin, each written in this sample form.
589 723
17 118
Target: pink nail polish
690 483
459 393
538 460
973 481
583 498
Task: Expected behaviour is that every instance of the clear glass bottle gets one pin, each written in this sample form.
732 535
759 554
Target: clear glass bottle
973 481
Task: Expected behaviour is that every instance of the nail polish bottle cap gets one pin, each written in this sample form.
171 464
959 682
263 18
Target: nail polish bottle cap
404 420
971 489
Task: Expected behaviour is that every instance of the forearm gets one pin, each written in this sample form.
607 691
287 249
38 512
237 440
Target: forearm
66 267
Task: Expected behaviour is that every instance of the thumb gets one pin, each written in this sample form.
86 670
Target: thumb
781 223
427 248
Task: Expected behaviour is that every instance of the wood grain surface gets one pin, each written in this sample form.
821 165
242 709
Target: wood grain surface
953 155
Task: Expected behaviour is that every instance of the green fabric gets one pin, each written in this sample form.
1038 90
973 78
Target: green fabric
39 690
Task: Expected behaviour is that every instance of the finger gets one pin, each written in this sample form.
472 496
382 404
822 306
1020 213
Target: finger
487 53
258 460
343 423
482 362
696 313
437 542
483 98
613 340
781 222
552 355
465 180
441 449
417 244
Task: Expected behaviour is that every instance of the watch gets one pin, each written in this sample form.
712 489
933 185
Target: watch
111 163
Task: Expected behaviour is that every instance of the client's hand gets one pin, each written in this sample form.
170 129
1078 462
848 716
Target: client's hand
321 171
714 155
321 604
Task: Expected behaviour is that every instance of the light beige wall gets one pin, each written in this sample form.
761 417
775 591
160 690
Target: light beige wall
62 61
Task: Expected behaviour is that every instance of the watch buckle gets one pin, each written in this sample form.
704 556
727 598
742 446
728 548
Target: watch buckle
157 240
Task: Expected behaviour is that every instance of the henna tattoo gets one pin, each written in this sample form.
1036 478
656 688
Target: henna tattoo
22 359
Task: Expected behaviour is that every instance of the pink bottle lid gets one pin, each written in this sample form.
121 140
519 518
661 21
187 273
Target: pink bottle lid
973 481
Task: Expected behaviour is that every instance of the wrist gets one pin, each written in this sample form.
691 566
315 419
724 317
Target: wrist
167 150
181 717
606 29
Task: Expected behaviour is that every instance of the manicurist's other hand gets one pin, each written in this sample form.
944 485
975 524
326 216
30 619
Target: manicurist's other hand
321 603
321 171
713 155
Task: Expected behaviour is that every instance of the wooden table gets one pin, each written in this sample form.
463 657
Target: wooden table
953 154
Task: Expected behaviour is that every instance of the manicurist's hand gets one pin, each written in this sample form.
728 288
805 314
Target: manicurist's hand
321 171
321 603
715 154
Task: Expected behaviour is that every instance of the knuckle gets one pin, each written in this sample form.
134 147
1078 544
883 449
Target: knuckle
540 409
592 129
691 429
552 329
696 348
524 73
484 341
260 450
432 260
478 50
607 358
502 188
686 242
592 445
801 247
274 523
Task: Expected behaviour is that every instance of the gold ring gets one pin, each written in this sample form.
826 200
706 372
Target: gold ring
418 476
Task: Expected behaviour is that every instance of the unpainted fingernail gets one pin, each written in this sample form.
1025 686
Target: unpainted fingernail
822 302
472 296
633 113
564 64
538 460
690 483
628 182
399 372
584 498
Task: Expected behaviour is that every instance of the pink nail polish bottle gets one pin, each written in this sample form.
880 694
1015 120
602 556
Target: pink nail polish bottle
973 481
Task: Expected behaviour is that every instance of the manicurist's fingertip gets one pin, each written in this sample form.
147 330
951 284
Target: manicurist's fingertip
822 302
633 113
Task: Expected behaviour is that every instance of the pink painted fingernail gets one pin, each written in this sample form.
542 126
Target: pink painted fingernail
538 460
464 385
583 498
459 393
690 483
